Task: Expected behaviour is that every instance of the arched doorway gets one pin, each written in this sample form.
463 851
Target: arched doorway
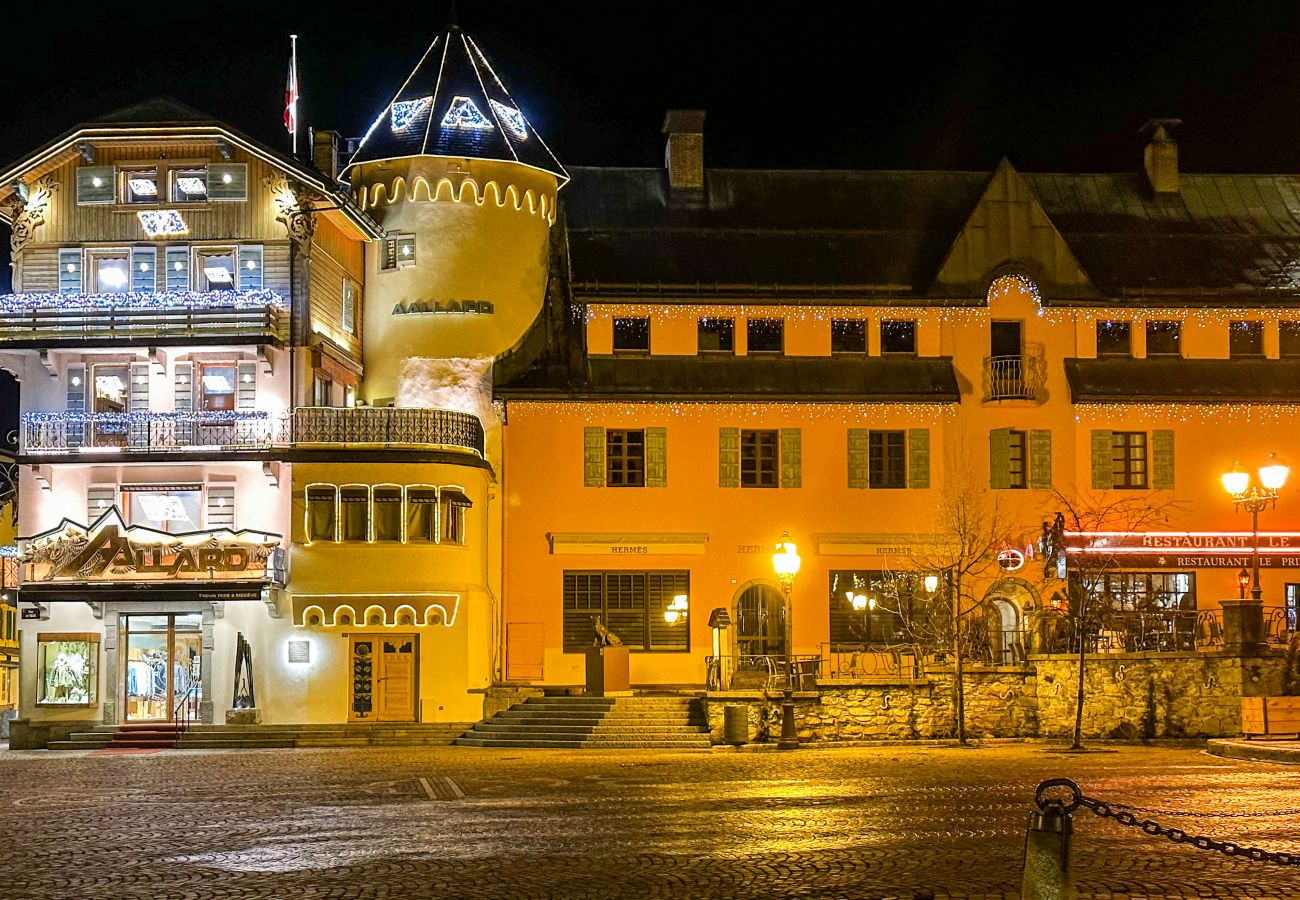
1007 602
760 621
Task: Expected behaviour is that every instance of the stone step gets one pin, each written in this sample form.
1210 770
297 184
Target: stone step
603 727
560 714
593 738
561 743
78 745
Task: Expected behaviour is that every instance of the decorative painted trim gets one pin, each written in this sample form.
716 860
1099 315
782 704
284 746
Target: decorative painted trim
340 610
26 216
295 202
619 543
419 189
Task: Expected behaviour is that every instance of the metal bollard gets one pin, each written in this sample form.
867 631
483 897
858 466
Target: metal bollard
1048 874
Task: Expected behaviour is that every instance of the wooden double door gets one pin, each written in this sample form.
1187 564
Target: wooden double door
382 677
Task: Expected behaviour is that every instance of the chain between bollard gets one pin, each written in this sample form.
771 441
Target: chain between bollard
1126 816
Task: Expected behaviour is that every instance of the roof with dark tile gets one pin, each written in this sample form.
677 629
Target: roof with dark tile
748 378
823 235
1183 380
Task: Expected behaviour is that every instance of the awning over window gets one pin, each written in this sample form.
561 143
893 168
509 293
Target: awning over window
375 610
455 497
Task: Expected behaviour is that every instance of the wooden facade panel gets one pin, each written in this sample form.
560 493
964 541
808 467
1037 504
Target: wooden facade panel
344 250
248 220
326 303
275 267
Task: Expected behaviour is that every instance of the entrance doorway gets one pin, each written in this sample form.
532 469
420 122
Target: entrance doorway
760 622
164 666
383 677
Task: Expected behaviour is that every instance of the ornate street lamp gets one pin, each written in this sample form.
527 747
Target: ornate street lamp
1255 498
786 562
1243 582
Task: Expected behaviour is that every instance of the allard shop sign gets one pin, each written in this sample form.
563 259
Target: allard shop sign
108 550
434 307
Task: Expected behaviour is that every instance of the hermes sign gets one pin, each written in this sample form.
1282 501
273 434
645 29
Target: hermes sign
109 550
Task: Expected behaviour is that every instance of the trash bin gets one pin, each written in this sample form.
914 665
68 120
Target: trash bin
735 725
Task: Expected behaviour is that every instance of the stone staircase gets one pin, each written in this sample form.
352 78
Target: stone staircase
164 736
595 723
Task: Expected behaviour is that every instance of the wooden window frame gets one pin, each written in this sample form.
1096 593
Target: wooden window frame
700 331
630 351
1017 459
623 467
1130 470
912 327
881 459
860 325
760 458
758 323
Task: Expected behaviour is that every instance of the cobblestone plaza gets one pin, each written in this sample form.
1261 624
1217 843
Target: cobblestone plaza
456 822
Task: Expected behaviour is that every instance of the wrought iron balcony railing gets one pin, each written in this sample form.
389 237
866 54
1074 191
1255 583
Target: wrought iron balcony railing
146 432
44 319
388 427
149 432
1013 377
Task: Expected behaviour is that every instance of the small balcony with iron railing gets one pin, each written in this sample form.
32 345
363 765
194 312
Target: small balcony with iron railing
1019 377
311 427
387 427
45 320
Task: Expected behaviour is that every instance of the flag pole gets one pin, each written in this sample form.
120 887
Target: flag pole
293 62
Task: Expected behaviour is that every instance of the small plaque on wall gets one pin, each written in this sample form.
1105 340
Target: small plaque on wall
299 651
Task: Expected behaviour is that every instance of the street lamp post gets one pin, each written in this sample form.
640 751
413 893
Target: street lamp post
786 563
1255 498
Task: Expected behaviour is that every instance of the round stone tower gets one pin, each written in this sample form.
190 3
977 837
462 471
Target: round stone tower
465 190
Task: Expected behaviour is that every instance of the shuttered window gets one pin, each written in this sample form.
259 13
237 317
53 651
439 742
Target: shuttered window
791 458
100 498
1007 459
137 397
144 269
177 261
728 457
250 267
228 181
396 252
421 514
631 605
859 440
898 606
246 386
1128 459
624 457
453 504
221 506
1040 458
95 184
1162 453
70 270
656 457
918 458
349 310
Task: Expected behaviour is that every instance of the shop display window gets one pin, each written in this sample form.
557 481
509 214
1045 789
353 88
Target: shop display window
67 669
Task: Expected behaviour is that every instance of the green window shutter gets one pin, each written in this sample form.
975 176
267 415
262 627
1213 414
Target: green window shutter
656 457
791 458
859 455
1162 445
1040 459
918 457
1000 458
1103 465
593 457
728 457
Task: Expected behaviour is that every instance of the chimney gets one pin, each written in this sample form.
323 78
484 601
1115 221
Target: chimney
1160 158
684 154
325 153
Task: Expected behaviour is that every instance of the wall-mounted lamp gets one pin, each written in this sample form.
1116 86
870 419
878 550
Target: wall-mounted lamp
676 611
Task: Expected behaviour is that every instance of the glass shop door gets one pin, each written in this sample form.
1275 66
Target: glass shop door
163 667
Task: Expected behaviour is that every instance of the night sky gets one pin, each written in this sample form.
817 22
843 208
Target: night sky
925 88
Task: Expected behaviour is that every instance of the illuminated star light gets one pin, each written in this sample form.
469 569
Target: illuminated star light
405 111
157 223
464 114
512 118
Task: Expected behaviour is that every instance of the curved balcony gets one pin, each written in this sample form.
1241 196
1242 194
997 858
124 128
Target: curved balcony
44 320
141 433
1013 377
392 427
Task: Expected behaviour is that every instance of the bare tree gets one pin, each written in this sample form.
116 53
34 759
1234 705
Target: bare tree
969 529
1082 512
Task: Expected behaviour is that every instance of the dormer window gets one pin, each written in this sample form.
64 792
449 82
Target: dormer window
189 185
140 186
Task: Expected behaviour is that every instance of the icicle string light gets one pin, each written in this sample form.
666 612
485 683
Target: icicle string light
726 413
142 300
1160 413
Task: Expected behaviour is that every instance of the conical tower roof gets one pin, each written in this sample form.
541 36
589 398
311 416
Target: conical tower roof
453 104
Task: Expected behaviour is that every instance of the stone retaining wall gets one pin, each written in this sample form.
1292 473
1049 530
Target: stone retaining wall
1128 696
